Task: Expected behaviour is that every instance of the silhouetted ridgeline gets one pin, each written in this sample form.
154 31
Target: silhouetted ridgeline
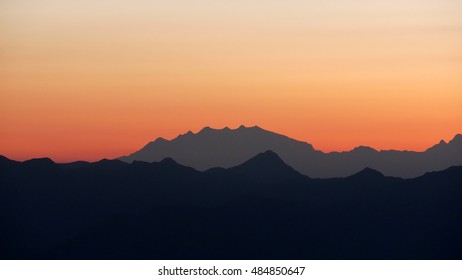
227 147
261 209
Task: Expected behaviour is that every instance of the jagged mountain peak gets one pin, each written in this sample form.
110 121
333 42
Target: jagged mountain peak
364 149
457 138
39 161
367 173
267 157
169 161
266 167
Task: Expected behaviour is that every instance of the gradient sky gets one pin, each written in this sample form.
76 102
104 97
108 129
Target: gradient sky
84 80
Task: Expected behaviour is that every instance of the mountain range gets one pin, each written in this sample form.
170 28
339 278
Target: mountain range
225 148
259 209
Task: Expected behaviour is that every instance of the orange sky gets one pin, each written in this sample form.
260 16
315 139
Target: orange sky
81 80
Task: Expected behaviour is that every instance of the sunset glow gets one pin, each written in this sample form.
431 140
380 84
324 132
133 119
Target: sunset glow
85 80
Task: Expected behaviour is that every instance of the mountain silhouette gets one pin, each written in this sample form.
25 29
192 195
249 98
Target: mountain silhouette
225 148
367 173
229 147
6 163
259 209
266 167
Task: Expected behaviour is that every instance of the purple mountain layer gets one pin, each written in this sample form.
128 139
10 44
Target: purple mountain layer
226 148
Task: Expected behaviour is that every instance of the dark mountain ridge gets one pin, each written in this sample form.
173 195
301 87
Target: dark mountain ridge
261 209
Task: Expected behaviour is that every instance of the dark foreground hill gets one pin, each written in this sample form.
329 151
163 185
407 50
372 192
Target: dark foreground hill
229 147
262 209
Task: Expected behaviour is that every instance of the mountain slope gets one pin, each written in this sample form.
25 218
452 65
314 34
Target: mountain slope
266 167
220 148
229 147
